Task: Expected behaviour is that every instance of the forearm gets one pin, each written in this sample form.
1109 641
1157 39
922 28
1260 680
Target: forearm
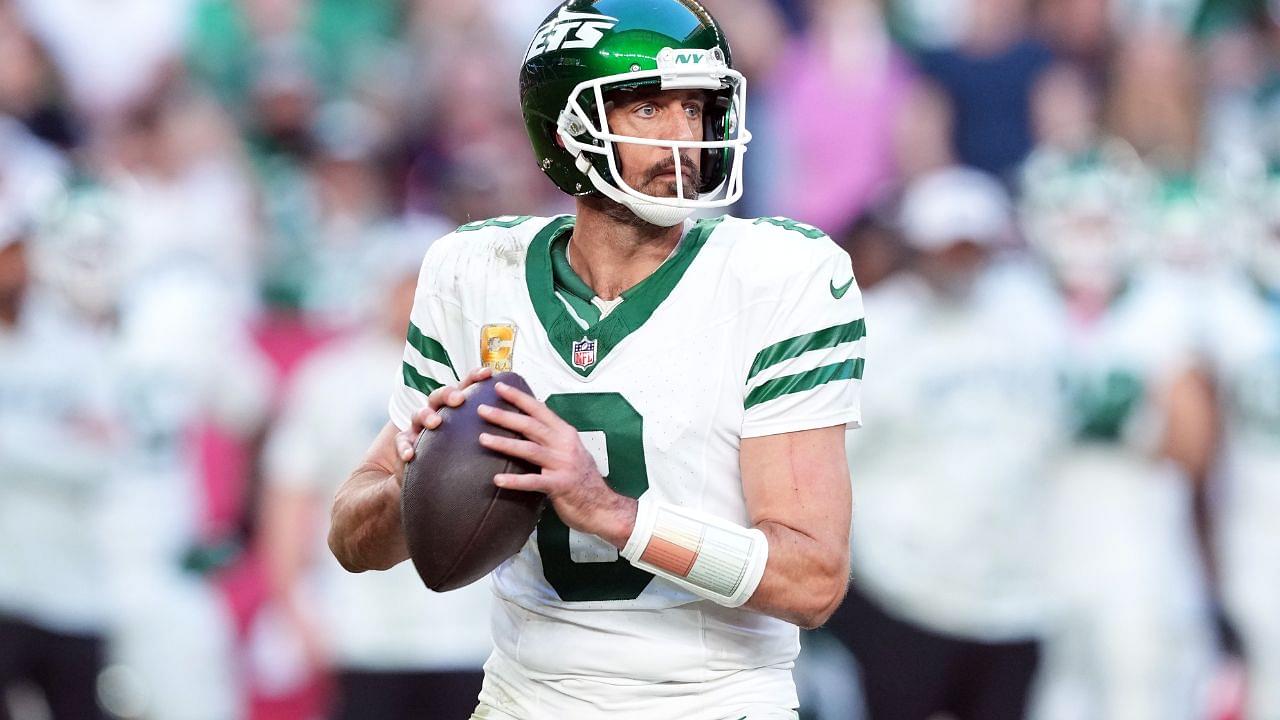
804 581
769 568
365 531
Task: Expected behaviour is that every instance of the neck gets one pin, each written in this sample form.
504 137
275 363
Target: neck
612 252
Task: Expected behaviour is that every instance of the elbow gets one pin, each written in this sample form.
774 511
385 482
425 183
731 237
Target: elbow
823 603
341 553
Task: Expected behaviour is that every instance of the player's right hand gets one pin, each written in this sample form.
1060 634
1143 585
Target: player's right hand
428 418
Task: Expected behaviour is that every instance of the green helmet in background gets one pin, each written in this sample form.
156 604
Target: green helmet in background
589 48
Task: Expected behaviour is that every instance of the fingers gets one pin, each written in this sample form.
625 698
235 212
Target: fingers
531 483
529 405
453 395
518 422
478 375
516 448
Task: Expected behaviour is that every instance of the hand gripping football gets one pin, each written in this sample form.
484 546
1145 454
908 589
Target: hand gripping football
458 524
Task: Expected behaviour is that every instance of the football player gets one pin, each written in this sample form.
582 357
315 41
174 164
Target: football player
1129 634
166 382
950 492
55 447
693 384
1242 339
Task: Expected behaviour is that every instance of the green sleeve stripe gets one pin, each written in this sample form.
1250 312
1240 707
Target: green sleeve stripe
801 344
430 348
418 381
787 384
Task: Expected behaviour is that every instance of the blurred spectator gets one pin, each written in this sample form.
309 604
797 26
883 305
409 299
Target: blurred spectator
55 432
1079 31
923 136
832 103
1159 119
1130 634
397 650
947 603
875 245
240 47
30 89
109 54
990 77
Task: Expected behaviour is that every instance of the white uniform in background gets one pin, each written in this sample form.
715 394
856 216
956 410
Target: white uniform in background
1242 340
182 360
949 490
1130 635
750 328
381 621
55 459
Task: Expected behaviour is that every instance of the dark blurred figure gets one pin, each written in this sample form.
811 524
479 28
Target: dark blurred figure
947 604
30 89
990 77
876 247
55 435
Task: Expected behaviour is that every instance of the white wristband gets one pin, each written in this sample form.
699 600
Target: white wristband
708 556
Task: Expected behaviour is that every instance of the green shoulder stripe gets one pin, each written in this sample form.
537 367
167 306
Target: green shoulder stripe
787 384
804 229
430 348
502 222
417 380
801 344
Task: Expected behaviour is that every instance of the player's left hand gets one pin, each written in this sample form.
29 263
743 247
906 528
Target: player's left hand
569 474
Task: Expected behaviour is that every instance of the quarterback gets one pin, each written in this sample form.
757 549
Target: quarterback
693 381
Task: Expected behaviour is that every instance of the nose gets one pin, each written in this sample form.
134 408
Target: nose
679 126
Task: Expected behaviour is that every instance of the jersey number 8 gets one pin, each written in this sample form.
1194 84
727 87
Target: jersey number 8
623 430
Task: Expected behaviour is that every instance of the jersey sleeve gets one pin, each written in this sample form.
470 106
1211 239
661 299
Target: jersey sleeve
807 368
430 345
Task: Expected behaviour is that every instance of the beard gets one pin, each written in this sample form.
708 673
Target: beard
650 185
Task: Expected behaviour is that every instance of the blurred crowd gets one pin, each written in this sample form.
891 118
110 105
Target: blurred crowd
1064 215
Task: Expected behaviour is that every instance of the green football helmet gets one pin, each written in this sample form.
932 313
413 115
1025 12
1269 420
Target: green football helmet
587 49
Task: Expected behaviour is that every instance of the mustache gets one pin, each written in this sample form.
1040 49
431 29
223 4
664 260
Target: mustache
687 169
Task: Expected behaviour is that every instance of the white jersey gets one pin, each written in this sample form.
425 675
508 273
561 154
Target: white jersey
182 360
55 448
750 328
1242 341
386 621
1129 638
948 478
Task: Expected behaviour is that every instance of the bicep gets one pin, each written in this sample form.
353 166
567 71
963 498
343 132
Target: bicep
799 480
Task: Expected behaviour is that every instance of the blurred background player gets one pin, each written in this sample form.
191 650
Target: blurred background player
178 356
948 487
397 650
1242 341
1130 633
55 445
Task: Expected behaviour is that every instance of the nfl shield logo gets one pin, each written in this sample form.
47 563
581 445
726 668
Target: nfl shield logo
584 353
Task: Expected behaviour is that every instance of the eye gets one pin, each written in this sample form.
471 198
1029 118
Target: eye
647 110
693 110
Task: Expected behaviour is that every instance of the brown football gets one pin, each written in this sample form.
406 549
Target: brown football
458 524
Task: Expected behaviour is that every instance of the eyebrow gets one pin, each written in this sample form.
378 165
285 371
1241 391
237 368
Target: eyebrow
648 93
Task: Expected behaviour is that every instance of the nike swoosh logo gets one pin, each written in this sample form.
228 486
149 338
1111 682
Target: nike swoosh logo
838 292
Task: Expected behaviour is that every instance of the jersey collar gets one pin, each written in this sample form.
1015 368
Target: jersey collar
547 270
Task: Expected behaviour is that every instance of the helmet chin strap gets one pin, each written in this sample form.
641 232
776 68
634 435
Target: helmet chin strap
650 212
